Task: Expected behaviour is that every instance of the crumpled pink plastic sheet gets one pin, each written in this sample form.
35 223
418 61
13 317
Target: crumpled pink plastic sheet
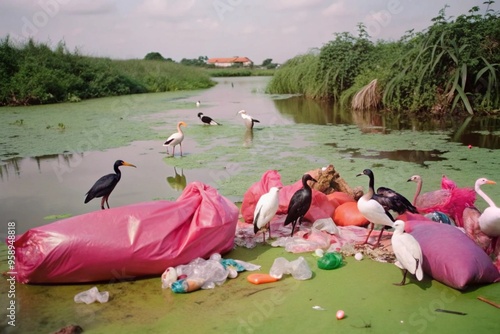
309 238
128 242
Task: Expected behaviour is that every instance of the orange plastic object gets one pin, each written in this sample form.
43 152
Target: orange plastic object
348 214
261 278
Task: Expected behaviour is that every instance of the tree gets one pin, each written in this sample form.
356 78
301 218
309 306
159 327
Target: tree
267 62
154 56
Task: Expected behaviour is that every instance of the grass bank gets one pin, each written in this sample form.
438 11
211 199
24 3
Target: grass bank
34 73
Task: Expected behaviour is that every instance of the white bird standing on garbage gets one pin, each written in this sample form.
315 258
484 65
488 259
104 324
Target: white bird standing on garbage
489 221
249 120
408 252
175 139
266 208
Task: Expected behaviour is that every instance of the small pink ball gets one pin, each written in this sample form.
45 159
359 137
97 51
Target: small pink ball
340 315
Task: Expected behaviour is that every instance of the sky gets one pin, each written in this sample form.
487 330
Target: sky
257 29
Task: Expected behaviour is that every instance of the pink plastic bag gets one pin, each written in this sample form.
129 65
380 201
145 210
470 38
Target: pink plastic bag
320 206
128 242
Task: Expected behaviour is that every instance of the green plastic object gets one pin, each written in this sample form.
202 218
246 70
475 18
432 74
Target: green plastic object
330 261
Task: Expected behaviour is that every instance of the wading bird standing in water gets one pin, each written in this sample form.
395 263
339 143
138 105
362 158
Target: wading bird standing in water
175 139
105 185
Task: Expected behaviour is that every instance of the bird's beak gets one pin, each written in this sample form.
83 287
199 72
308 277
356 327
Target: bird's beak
128 164
360 174
409 180
313 179
491 182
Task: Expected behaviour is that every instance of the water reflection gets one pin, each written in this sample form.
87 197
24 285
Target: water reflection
248 138
308 111
475 131
58 162
416 156
178 181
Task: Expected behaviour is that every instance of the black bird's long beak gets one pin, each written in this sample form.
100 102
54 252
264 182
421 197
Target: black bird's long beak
128 164
360 174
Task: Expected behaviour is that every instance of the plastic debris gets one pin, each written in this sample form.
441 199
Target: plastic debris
299 269
261 278
330 261
318 308
203 274
168 277
91 295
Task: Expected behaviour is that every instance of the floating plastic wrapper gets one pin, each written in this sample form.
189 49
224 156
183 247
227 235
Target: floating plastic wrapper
330 261
299 269
91 295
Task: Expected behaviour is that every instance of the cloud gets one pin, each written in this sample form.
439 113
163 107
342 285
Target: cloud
283 5
338 9
166 8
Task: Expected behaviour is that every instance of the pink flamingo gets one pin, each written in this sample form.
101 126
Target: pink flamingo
450 199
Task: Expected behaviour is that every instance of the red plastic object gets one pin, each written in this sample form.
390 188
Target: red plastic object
128 242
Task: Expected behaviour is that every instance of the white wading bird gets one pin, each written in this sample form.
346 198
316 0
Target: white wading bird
265 210
175 139
249 120
407 251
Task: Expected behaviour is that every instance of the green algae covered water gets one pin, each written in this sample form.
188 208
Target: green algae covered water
51 155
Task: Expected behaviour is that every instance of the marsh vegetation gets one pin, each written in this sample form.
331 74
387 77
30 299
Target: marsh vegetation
451 67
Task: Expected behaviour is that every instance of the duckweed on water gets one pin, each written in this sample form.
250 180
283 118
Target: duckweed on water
86 126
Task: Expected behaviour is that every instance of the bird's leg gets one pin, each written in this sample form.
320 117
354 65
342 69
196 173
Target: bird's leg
180 144
269 228
379 237
102 202
173 151
370 232
404 278
293 228
107 201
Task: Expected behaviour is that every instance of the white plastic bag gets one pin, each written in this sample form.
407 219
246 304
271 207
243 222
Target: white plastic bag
299 269
91 295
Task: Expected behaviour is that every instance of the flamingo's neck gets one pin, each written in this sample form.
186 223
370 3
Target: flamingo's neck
484 196
417 192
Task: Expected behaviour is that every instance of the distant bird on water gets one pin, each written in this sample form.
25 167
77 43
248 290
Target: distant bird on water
265 210
175 139
407 251
300 203
207 120
375 207
249 120
105 185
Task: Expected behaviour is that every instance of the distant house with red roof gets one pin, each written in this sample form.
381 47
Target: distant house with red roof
227 62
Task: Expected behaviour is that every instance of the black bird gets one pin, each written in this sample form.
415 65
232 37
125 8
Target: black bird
299 203
207 120
375 207
105 185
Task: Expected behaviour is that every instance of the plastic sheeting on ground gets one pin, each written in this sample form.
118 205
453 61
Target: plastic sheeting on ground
128 242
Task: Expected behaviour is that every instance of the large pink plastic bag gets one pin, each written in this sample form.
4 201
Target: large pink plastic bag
451 257
130 241
320 207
